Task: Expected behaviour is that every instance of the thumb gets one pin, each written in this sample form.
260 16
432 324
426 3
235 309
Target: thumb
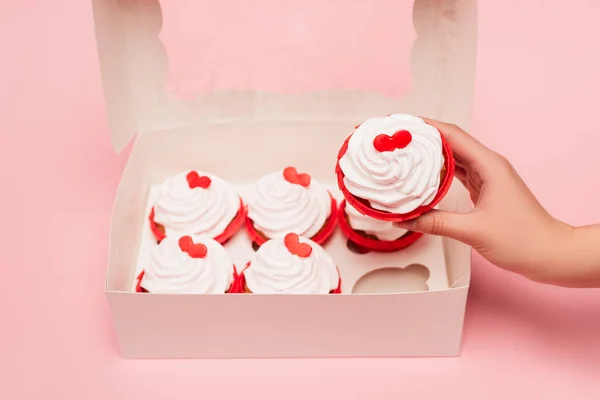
441 223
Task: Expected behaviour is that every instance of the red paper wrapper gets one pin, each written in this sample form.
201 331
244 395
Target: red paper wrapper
320 238
242 282
231 229
238 284
138 286
232 288
363 205
371 244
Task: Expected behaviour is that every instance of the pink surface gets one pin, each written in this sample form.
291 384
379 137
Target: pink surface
536 101
289 49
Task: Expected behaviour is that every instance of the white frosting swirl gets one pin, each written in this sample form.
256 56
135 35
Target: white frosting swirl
278 207
382 230
173 271
275 270
195 211
396 181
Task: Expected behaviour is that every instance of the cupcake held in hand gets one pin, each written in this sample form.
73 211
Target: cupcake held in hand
197 203
291 265
395 168
188 265
288 201
370 234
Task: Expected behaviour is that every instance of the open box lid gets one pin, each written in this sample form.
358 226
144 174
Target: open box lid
173 65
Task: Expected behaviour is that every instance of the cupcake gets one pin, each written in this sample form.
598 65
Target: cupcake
288 201
188 265
197 203
291 265
370 234
395 168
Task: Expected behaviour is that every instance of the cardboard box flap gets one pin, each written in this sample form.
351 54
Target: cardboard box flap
270 62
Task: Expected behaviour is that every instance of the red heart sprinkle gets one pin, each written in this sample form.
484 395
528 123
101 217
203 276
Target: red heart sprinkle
291 175
194 250
292 242
398 140
197 181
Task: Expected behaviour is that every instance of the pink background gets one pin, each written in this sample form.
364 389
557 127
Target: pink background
536 102
274 47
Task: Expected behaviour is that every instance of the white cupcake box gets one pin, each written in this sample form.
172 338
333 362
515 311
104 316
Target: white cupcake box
408 303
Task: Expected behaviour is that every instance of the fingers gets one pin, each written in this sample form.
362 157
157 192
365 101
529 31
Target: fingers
466 148
443 223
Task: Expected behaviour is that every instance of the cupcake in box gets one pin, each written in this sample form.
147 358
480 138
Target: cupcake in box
395 168
291 265
370 234
197 203
188 265
289 201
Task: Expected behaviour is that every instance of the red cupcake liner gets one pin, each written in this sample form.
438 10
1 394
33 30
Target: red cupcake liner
371 244
238 283
231 229
242 281
232 289
320 238
362 205
138 286
338 289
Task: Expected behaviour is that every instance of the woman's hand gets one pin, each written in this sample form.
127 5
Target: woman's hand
507 225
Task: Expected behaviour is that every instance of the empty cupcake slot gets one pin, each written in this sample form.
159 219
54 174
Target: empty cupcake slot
412 278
